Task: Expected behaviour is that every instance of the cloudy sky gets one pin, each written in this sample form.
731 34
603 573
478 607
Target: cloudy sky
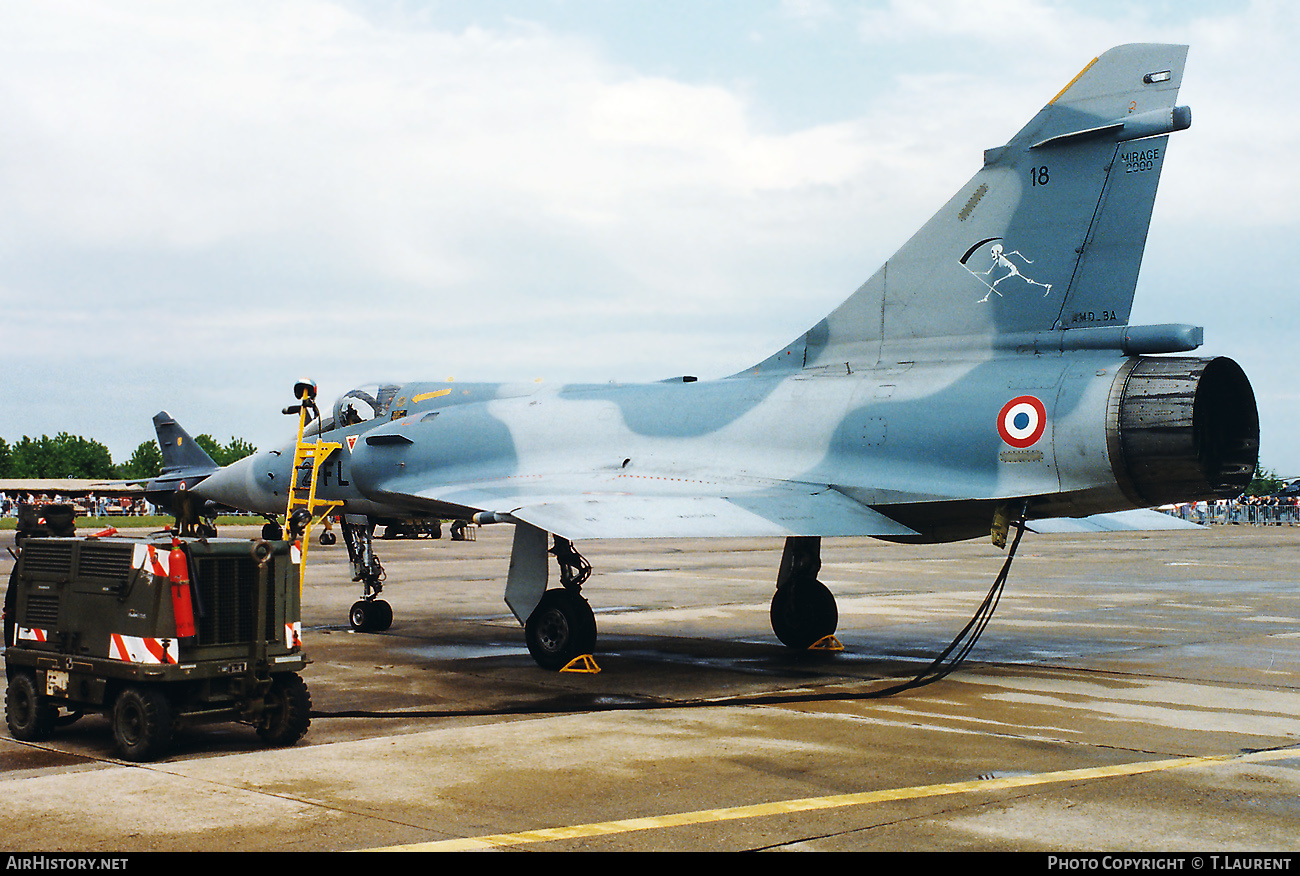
201 202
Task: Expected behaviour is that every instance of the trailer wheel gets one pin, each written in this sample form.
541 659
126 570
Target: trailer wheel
288 711
142 723
28 712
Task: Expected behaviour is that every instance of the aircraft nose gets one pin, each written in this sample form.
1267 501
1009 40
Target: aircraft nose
236 487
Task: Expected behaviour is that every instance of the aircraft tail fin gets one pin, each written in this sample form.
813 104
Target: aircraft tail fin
1042 245
180 452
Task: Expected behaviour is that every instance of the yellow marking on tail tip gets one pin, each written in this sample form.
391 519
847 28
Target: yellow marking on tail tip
1074 80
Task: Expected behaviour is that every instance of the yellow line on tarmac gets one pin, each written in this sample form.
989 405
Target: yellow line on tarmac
809 804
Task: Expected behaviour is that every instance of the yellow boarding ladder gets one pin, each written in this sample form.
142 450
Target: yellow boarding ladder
307 459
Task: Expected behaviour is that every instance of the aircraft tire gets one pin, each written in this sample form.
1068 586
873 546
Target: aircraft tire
28 712
370 616
142 723
288 711
359 616
328 538
562 627
803 612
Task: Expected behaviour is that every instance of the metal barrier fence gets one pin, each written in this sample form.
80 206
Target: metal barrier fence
1238 513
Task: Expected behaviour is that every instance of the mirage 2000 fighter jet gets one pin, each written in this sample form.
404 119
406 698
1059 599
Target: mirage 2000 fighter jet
986 373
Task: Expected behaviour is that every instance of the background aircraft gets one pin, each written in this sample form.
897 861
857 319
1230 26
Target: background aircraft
985 374
184 464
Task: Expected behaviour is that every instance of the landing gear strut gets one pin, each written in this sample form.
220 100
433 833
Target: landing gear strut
562 626
803 609
369 614
194 517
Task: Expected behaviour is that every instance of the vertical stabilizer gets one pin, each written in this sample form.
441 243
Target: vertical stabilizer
1047 236
181 454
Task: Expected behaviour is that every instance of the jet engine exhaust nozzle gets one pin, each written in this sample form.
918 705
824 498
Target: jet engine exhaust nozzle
1183 430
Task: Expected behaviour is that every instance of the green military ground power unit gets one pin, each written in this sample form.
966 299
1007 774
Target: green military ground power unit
91 626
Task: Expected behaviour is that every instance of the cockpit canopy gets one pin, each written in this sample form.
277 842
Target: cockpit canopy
360 405
364 403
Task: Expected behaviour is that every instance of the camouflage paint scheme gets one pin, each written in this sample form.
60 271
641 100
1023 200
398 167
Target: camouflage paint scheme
987 365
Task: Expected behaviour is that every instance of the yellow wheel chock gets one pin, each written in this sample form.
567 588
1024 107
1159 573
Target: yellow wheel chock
826 643
582 663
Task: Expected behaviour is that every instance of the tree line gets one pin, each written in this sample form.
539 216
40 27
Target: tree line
1266 482
72 456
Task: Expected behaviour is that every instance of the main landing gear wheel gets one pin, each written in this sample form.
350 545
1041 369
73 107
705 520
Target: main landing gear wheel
562 627
803 612
370 616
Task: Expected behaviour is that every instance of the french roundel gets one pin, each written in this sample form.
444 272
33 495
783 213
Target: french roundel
1021 421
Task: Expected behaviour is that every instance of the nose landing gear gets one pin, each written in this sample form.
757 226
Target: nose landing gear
369 614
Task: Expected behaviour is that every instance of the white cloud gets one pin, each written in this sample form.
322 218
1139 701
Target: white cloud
1006 27
313 127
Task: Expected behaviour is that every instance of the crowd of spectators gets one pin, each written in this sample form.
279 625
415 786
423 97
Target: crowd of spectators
84 506
1249 510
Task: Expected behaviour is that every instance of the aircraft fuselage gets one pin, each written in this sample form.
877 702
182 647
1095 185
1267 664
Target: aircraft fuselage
909 435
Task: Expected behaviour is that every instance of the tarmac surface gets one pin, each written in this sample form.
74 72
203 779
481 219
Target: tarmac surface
1135 691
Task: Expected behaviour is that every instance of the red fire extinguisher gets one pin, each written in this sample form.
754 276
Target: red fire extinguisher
179 575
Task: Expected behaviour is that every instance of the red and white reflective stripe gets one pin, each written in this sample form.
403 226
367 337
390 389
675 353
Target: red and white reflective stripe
293 635
147 557
295 553
31 634
134 649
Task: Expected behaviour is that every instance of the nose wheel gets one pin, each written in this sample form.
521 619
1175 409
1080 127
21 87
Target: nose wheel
370 616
